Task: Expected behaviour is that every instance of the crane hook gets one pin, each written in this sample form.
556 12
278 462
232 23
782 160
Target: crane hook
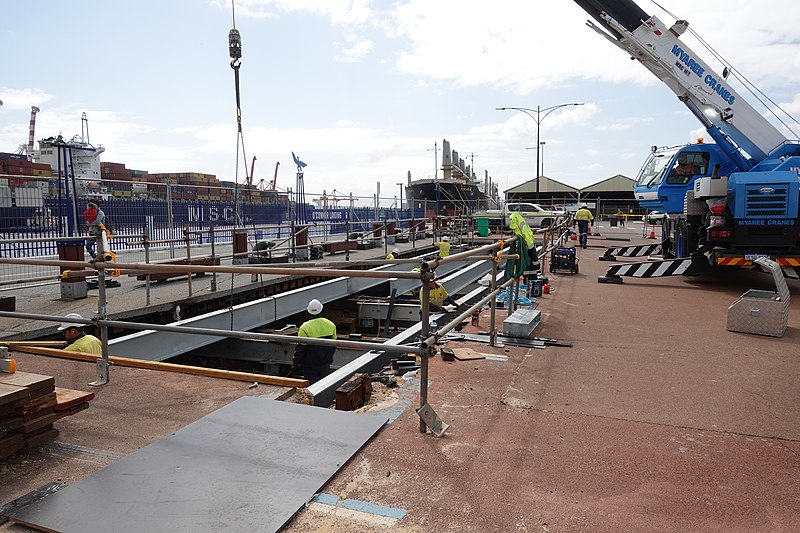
235 47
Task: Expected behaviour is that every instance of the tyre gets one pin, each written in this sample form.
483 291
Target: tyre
682 239
667 244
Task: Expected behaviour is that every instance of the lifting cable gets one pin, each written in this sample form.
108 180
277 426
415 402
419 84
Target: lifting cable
235 51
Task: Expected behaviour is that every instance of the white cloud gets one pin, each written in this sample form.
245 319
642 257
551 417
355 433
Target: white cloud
16 99
614 127
353 51
344 12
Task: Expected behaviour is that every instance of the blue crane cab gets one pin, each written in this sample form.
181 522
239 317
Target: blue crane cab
669 172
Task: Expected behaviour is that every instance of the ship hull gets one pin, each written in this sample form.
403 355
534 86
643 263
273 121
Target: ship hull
446 197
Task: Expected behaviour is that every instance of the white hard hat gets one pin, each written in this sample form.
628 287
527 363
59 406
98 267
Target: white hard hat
445 238
65 325
584 205
395 251
314 307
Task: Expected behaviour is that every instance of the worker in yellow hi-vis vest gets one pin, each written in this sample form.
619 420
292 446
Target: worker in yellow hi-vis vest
79 341
315 361
443 246
439 298
584 219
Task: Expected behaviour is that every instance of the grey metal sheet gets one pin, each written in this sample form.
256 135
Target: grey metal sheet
249 466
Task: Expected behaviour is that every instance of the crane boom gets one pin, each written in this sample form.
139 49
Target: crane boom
275 177
707 94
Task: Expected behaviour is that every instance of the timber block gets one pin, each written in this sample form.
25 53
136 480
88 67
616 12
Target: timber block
354 392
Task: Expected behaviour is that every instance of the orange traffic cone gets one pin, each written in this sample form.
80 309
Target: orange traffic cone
652 235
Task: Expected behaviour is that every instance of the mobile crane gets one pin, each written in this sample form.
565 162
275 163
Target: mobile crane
726 203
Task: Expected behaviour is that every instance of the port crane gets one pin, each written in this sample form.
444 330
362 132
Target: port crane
274 177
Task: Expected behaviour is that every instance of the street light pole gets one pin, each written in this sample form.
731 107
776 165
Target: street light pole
537 148
541 147
541 114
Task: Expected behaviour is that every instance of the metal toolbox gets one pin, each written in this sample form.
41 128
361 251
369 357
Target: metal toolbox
762 312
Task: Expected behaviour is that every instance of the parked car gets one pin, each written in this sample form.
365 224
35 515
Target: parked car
537 216
654 218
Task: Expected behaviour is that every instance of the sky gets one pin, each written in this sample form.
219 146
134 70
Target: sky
364 91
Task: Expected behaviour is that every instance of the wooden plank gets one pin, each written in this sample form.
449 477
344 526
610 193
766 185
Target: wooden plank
72 410
49 344
32 426
13 393
467 354
10 409
37 403
171 367
11 444
10 423
34 382
41 412
68 398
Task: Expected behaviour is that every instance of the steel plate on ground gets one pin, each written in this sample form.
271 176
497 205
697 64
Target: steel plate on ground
249 466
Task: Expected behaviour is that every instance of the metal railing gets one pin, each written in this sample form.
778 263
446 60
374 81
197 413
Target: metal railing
425 348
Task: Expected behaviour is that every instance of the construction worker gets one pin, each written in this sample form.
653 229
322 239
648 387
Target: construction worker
620 218
584 219
95 217
438 297
443 246
520 227
315 360
78 339
394 254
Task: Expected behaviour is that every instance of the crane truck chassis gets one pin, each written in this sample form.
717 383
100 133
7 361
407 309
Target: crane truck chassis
726 203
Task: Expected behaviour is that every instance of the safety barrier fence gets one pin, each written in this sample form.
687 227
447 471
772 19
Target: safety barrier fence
215 242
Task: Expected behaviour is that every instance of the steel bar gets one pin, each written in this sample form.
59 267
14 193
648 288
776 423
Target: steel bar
493 307
46 239
332 273
431 340
246 335
485 249
423 371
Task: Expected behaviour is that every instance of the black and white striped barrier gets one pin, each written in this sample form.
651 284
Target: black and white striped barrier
684 266
641 250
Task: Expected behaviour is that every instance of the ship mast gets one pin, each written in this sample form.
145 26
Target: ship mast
435 151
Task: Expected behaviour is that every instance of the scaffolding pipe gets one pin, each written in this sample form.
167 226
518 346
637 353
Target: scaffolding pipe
185 269
485 249
425 299
431 340
242 335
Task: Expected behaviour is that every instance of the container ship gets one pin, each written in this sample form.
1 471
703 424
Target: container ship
35 186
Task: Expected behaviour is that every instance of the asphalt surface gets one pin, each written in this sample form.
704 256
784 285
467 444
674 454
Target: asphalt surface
657 419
